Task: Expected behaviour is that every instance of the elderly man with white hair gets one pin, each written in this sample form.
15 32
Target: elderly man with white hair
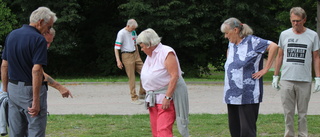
130 58
23 58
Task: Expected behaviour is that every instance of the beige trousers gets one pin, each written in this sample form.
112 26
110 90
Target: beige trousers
292 93
133 63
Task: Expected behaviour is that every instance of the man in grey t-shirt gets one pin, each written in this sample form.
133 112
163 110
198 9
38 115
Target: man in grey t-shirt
299 47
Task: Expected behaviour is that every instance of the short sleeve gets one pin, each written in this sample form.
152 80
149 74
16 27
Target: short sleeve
119 41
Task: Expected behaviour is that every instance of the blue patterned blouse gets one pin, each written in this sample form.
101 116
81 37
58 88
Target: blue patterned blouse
243 60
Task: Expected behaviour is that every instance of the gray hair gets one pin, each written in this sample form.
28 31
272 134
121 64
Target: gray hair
149 37
232 23
132 23
299 12
52 31
42 13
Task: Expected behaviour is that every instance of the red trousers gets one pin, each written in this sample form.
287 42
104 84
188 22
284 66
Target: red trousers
161 121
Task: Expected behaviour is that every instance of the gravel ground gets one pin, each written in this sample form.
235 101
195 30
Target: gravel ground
114 99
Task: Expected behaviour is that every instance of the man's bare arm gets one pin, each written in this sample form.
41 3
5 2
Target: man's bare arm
4 75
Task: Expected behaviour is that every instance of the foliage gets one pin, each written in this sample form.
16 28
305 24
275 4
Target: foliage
7 21
192 27
98 33
187 26
86 30
282 15
258 15
66 40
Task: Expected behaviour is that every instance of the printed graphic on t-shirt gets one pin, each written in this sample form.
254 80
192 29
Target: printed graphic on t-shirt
134 34
296 53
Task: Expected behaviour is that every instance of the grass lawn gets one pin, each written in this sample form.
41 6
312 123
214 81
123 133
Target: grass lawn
201 125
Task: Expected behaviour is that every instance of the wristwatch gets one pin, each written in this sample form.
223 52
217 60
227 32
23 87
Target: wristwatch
169 98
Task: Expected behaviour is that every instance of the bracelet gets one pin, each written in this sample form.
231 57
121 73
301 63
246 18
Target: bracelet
169 98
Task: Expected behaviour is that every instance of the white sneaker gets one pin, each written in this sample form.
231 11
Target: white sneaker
136 102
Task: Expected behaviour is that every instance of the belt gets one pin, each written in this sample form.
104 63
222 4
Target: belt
128 51
25 83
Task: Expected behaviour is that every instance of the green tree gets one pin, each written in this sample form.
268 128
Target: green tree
7 21
66 40
86 30
188 26
85 34
98 33
282 17
192 27
68 20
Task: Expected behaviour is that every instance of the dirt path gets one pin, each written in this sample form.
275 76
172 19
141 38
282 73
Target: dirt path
114 98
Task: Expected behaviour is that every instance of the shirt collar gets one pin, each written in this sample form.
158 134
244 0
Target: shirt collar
157 49
31 27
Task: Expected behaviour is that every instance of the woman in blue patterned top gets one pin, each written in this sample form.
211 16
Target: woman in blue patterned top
243 88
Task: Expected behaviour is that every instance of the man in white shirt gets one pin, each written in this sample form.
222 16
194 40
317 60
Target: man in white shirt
126 43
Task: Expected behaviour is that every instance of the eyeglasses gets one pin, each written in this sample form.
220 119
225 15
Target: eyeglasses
296 21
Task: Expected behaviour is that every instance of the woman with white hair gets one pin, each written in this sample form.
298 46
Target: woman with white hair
167 95
243 86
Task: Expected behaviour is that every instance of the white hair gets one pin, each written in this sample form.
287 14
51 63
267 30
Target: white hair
149 37
232 23
52 31
132 23
42 13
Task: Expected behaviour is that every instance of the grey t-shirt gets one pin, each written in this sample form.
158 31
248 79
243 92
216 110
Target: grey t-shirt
297 56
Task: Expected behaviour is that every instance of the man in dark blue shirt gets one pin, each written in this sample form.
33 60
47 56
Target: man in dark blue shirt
23 58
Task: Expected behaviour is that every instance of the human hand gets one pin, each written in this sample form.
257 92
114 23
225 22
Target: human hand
275 82
119 65
165 104
34 110
259 74
65 92
316 84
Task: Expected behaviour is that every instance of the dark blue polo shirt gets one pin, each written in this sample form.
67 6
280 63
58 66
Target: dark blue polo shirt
24 47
